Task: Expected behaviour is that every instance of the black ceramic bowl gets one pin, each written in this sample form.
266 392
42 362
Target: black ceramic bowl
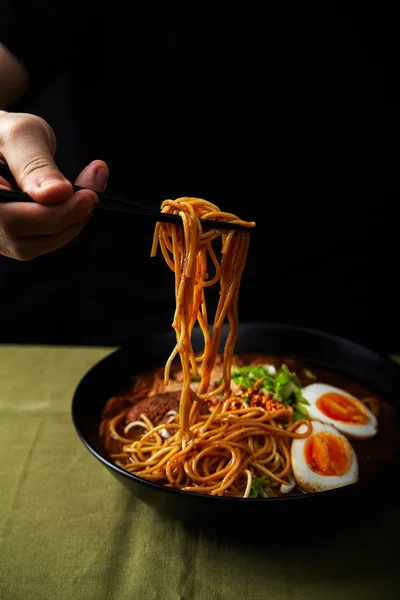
114 374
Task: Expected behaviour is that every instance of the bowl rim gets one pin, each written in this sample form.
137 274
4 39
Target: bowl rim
320 333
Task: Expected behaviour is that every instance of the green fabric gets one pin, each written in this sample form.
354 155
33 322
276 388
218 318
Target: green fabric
70 531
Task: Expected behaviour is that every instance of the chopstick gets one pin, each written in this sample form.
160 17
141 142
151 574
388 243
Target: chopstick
107 203
118 205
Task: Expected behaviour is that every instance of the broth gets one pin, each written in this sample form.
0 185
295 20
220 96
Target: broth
374 454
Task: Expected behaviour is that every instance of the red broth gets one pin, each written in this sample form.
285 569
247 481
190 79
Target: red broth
373 454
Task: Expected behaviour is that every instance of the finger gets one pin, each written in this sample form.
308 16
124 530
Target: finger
4 184
28 144
30 247
94 176
21 219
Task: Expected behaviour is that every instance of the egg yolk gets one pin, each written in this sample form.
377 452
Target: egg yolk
327 454
341 408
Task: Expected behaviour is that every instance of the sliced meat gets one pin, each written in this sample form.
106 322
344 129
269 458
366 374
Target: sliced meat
114 406
148 379
154 407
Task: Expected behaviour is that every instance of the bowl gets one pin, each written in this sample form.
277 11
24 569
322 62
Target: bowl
114 374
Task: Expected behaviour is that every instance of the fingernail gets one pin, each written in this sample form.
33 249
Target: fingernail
46 182
84 208
101 178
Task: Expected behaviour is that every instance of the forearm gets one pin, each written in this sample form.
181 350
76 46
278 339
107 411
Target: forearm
14 79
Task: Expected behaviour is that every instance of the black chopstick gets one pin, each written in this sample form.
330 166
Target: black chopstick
121 205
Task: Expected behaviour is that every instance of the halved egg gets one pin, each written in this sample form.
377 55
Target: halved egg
324 460
333 405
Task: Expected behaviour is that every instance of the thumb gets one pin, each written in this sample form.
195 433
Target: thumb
28 144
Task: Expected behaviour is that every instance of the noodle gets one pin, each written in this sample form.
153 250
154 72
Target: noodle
186 250
243 444
219 451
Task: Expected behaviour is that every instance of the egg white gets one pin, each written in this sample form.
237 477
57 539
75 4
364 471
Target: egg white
309 480
352 430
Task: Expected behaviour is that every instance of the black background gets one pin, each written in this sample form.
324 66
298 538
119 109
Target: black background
289 116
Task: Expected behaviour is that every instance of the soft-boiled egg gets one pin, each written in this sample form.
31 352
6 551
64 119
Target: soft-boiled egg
324 460
339 408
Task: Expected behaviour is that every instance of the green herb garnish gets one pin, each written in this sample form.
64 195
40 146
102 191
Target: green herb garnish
309 374
246 377
283 384
258 484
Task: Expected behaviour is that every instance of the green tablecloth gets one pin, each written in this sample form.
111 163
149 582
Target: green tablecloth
70 531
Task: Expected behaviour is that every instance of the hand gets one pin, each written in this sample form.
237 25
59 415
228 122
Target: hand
27 145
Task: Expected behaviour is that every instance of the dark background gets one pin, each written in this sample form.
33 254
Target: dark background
316 119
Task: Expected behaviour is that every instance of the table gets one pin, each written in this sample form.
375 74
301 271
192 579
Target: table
70 531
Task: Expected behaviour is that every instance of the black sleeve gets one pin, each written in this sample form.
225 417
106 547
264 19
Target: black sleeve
45 35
